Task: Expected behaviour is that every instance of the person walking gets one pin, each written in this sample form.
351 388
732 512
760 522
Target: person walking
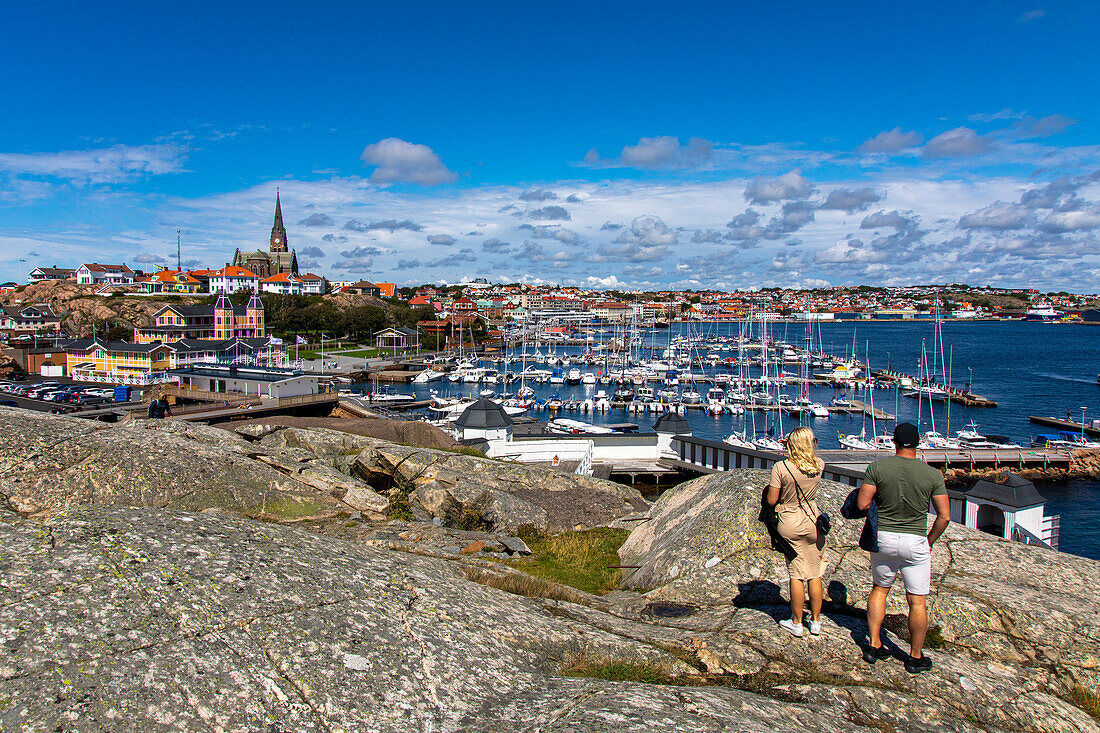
793 492
901 488
158 408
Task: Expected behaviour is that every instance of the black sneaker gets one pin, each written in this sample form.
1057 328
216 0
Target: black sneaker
918 665
872 654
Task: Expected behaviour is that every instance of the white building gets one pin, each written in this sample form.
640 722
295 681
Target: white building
312 284
249 380
283 284
232 279
485 420
1007 506
93 273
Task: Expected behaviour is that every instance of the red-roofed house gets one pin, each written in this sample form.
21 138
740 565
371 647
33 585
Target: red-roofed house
170 281
283 283
312 284
463 306
233 279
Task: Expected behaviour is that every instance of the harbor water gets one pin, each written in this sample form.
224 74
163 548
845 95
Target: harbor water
1027 368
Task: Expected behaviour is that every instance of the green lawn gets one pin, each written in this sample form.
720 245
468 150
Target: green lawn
581 560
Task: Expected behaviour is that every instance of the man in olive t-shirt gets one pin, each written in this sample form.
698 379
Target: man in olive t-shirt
902 487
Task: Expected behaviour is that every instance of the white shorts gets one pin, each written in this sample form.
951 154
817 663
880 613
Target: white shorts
907 553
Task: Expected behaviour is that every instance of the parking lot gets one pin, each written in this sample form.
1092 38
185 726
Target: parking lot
58 394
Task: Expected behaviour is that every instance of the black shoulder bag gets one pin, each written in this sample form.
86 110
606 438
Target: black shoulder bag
823 523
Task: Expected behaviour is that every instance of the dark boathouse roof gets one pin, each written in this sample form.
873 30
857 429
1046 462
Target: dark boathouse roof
671 422
484 414
1006 489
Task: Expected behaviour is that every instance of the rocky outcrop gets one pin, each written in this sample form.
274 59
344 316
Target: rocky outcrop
79 306
1016 624
49 463
141 617
499 495
407 432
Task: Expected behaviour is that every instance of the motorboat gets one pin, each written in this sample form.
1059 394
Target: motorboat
691 397
573 377
428 375
565 426
388 395
932 439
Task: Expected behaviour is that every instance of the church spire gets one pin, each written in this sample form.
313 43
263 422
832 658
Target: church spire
278 231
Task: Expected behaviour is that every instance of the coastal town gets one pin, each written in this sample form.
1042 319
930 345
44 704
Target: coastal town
578 368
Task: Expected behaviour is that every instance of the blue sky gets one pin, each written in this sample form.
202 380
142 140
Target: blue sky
612 144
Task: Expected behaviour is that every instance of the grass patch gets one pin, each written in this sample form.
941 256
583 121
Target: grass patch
618 671
580 560
399 507
290 509
465 450
360 353
933 639
1086 699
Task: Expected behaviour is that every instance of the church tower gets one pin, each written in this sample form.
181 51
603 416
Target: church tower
278 231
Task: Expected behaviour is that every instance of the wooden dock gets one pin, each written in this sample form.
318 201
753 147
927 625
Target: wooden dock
862 407
700 455
958 396
1067 425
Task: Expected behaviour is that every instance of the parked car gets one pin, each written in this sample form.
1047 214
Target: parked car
9 403
56 394
87 399
39 390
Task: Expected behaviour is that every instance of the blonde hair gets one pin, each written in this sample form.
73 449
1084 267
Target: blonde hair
800 446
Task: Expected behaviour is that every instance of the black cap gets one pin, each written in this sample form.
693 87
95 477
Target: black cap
906 435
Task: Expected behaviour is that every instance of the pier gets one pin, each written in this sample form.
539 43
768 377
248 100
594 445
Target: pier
1066 425
700 455
958 396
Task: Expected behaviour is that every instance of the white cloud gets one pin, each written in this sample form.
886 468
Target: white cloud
764 190
891 141
851 200
999 216
398 161
1072 221
658 152
607 283
115 164
956 143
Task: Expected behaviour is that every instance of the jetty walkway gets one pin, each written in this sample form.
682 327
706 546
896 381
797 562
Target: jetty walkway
699 455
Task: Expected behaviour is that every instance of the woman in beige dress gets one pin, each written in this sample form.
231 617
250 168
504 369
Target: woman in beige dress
793 492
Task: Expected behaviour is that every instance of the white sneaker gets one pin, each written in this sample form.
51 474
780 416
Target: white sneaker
815 627
791 626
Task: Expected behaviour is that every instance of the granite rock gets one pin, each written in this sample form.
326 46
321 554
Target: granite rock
149 620
1020 623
